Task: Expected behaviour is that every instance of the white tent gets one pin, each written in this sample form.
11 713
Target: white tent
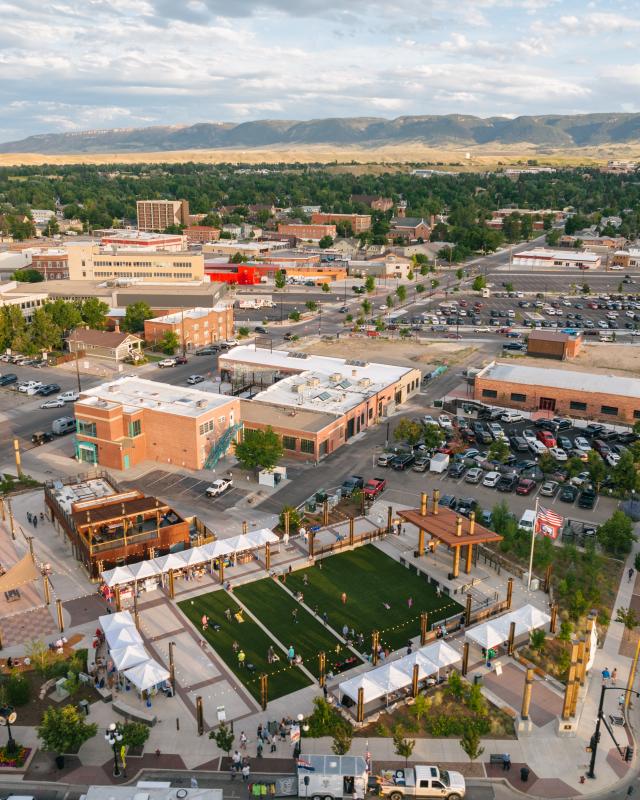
217 549
147 675
144 569
390 678
372 690
426 667
130 656
240 543
170 561
488 634
528 618
441 654
114 577
122 637
121 619
261 537
193 556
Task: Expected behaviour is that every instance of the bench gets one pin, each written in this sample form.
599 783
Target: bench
497 758
136 714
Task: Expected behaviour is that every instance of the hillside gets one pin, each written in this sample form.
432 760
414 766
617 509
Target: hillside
540 132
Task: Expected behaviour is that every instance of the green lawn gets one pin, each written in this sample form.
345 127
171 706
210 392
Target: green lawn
283 679
272 605
370 579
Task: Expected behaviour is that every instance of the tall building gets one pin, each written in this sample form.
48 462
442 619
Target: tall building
157 215
91 262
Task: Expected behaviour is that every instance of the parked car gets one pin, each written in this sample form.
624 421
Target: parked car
7 379
385 459
547 438
53 403
41 437
587 498
29 387
260 329
507 483
47 389
491 479
529 435
69 396
561 424
402 462
581 443
549 488
525 486
473 475
558 453
422 464
445 422
568 493
193 379
167 362
448 500
218 487
374 487
181 360
457 470
518 443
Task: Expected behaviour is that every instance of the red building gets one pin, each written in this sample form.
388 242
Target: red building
241 274
202 233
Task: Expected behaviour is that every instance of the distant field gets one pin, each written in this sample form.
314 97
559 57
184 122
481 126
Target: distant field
367 159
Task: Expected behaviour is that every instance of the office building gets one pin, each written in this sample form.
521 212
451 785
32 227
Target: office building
92 262
194 327
158 215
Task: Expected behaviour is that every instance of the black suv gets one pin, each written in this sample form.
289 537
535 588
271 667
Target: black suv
457 470
587 498
403 462
47 389
10 377
507 483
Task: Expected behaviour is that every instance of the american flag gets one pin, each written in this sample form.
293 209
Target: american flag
548 517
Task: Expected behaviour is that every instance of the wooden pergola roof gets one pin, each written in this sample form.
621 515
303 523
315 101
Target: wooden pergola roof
116 512
444 525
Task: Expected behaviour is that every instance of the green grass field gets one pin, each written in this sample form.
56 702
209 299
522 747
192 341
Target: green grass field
272 605
370 579
283 679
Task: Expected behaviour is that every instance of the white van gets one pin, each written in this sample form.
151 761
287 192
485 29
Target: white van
537 448
63 425
527 520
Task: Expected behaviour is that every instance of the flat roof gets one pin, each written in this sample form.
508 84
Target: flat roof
135 393
568 255
443 526
90 490
601 383
299 419
189 313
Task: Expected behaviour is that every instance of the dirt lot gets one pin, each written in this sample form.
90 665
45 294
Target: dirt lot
608 359
402 353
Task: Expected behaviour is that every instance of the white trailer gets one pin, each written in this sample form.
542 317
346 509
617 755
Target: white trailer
255 301
332 777
439 462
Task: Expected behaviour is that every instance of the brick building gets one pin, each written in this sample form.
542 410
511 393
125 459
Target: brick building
358 222
194 327
554 344
52 263
410 228
198 234
303 231
125 422
374 203
157 215
574 393
626 258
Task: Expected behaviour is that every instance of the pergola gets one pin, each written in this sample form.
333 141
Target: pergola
446 527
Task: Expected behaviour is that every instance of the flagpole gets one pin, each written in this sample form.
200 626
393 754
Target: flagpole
533 539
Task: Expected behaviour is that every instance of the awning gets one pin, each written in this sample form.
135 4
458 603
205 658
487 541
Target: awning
441 654
147 675
217 549
240 543
496 631
426 667
528 617
372 690
390 678
121 619
488 634
144 569
169 562
24 571
261 537
114 577
130 656
192 556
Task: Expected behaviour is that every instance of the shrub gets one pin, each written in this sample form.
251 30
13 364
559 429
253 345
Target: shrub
18 690
135 734
325 720
455 685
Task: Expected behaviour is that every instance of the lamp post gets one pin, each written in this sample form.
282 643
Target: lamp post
113 736
7 718
601 718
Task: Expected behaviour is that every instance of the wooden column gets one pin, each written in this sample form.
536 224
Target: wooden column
172 585
423 628
467 611
424 499
526 695
286 523
322 666
414 680
456 561
509 593
325 512
117 597
199 715
267 556
436 501
360 706
244 527
420 542
351 529
59 615
47 593
221 565
568 692
311 535
469 559
512 636
389 518
582 663
554 618
16 450
465 658
375 644
264 691
547 578
172 667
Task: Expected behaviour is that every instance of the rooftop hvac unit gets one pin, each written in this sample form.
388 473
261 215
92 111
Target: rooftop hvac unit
201 403
313 382
335 377
364 383
297 388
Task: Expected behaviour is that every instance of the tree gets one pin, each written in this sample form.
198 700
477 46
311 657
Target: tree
342 738
93 312
259 449
553 238
325 288
629 618
370 283
27 276
420 707
43 331
401 292
135 316
459 274
408 431
390 301
280 279
243 331
51 228
537 639
64 730
402 747
134 734
498 451
66 315
311 305
547 463
169 342
470 742
479 283
616 535
295 519
223 737
366 306
432 435
238 258
294 316
625 475
596 468
325 242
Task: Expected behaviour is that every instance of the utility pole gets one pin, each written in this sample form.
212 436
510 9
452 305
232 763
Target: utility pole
184 343
78 370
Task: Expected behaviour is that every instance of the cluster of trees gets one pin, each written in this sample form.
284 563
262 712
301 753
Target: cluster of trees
48 325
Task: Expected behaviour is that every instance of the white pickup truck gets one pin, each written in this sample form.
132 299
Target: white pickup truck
218 487
423 781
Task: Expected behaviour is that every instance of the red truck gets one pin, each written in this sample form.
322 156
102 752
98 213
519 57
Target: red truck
373 487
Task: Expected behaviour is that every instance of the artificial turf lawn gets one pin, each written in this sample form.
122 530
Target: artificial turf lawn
370 579
272 605
283 679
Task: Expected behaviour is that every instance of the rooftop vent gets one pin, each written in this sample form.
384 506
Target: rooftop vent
313 382
335 377
201 403
364 383
298 388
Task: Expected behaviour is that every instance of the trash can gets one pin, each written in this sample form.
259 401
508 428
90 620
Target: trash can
524 774
477 679
84 706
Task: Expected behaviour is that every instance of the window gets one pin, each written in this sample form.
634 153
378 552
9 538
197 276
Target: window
307 446
518 398
86 428
636 414
577 405
135 428
207 427
289 442
222 420
612 411
489 393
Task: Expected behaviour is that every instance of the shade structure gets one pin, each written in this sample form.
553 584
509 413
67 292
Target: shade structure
528 618
489 634
122 637
441 654
144 569
217 549
114 577
372 690
240 543
193 556
170 561
147 675
121 619
261 537
390 678
426 667
130 656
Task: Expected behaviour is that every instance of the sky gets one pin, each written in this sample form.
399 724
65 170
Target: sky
73 65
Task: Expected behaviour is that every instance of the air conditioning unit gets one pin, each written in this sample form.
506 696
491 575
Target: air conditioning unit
298 388
335 377
364 383
313 382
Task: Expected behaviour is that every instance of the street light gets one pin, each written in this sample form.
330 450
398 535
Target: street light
601 718
113 736
7 718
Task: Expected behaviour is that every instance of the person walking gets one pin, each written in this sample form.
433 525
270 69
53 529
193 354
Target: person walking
630 574
325 617
236 761
325 691
605 676
243 740
272 743
294 615
246 771
194 783
291 654
506 762
345 631
614 676
305 579
410 602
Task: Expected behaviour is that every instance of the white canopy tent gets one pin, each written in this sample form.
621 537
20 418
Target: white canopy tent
147 675
192 556
240 543
390 678
488 634
496 631
170 561
262 536
113 577
217 549
372 689
144 569
122 637
121 619
130 656
441 653
529 617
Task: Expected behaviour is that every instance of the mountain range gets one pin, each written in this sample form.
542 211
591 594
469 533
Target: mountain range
551 131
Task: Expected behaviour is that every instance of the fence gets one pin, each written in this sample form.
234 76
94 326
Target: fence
344 543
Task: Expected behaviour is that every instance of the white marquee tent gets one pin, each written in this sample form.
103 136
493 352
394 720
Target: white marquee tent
121 619
147 675
496 631
122 637
130 656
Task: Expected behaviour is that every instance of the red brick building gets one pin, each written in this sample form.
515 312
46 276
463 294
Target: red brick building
194 327
374 203
410 228
197 234
52 263
303 231
358 222
554 344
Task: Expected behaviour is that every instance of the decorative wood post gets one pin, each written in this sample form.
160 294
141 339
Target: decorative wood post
267 556
467 611
456 562
351 529
199 715
264 691
16 450
509 593
526 695
360 706
436 501
322 666
59 615
569 688
172 585
414 680
375 644
547 578
221 565
465 658
286 523
311 537
424 499
117 597
47 592
389 518
325 512
512 636
244 527
172 666
423 628
554 618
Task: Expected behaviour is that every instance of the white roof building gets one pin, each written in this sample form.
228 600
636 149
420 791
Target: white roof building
542 256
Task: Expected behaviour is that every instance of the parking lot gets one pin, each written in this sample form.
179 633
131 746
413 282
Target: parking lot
187 489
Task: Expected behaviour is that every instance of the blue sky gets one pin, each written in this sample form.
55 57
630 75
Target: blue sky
68 65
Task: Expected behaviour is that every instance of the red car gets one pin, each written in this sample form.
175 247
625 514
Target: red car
547 438
181 359
525 486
